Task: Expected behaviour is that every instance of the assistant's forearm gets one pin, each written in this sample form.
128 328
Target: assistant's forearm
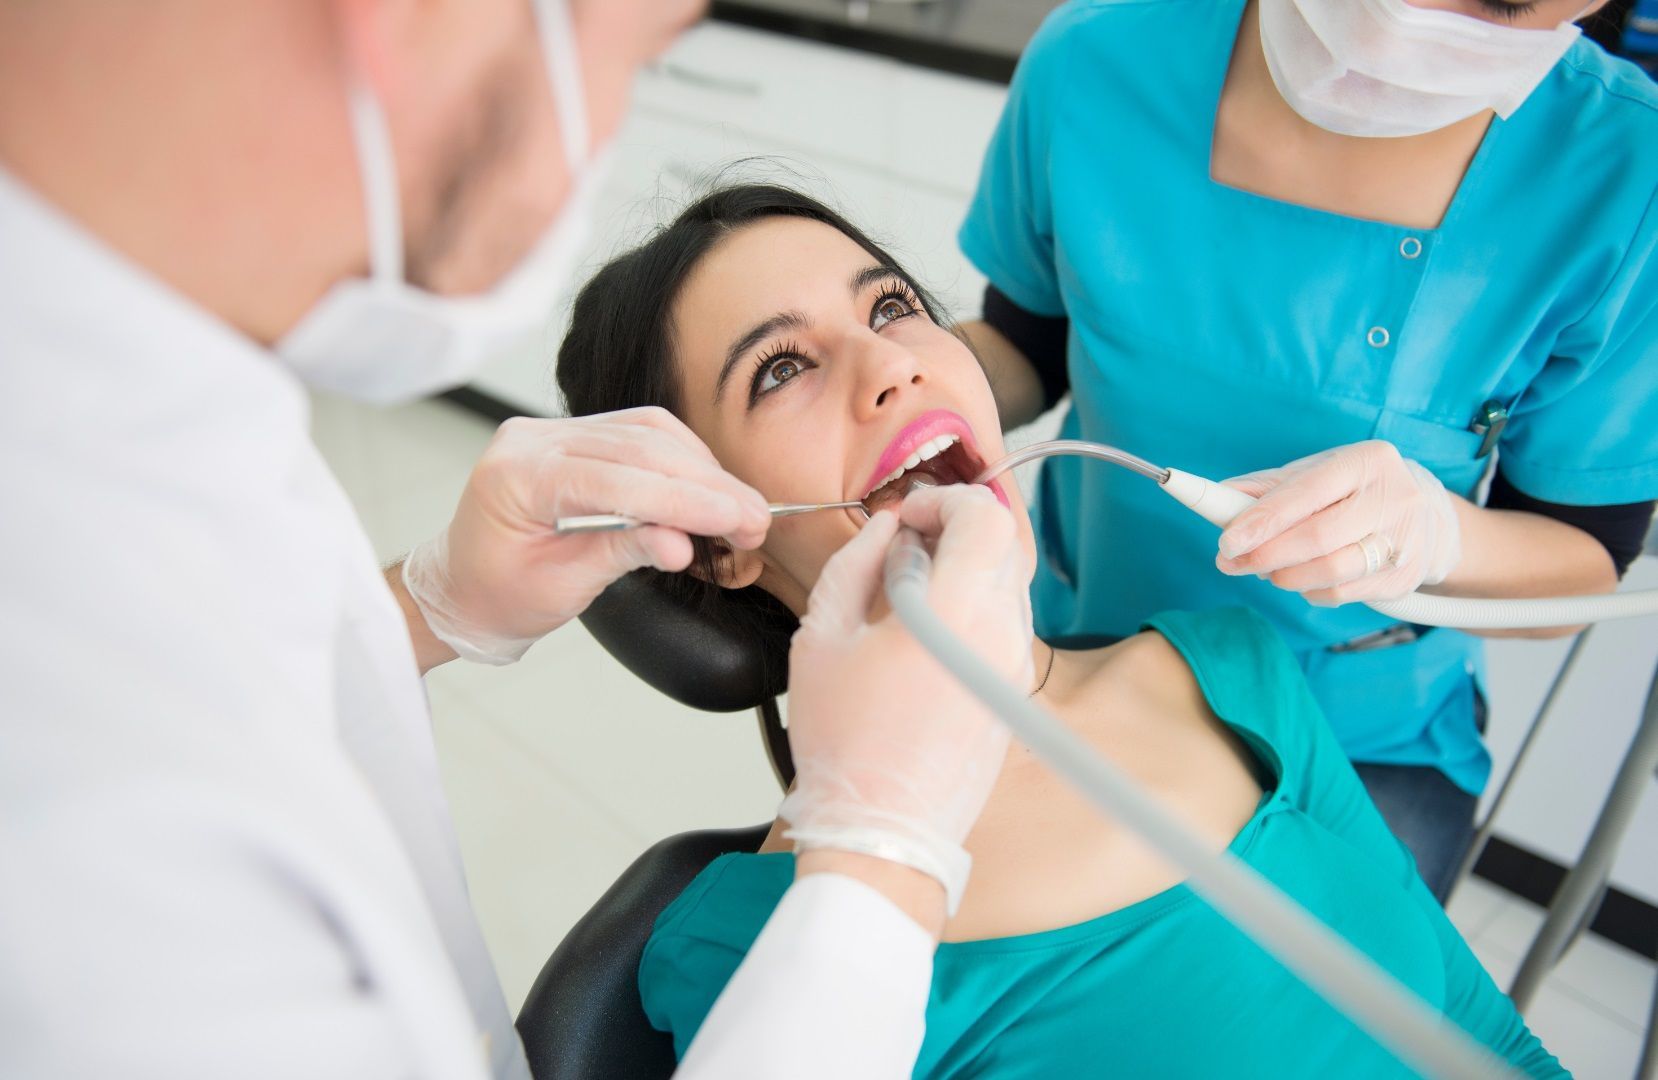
429 651
1013 379
1512 553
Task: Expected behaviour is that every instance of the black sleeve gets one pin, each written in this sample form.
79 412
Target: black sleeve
1042 338
1620 528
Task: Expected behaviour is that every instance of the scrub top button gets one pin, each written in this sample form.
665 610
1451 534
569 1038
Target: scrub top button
1378 337
1410 247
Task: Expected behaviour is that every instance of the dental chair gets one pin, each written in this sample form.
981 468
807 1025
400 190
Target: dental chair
582 1017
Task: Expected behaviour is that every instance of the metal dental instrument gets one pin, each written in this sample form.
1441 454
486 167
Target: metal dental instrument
590 523
1079 448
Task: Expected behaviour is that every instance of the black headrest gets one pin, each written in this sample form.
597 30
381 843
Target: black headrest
696 660
582 1018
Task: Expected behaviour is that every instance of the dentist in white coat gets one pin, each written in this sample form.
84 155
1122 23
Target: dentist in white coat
225 848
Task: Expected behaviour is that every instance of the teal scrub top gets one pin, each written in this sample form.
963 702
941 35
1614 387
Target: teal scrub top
1163 987
1220 332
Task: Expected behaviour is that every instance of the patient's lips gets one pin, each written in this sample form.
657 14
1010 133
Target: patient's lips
936 446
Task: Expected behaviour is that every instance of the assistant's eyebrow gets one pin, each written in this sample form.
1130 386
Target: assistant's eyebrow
760 331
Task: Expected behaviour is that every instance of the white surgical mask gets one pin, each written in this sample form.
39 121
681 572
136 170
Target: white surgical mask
1380 68
380 339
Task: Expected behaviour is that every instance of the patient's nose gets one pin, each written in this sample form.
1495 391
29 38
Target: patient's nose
887 374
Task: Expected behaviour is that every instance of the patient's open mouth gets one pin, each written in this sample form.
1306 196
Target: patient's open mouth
943 459
937 445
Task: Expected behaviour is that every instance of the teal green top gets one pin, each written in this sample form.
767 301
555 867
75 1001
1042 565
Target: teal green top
1163 987
1219 331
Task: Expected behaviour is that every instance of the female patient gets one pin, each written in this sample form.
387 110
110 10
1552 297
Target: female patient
815 369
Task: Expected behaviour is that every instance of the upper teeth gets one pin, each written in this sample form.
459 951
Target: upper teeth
926 451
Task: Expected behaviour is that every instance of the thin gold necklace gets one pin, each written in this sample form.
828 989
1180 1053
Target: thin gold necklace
1051 653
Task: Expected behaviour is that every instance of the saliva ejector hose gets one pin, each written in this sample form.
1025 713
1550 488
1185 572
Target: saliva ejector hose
1219 504
1398 1019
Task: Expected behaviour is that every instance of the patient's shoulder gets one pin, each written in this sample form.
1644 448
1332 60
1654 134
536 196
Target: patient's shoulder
1238 658
1146 668
1224 672
702 936
729 900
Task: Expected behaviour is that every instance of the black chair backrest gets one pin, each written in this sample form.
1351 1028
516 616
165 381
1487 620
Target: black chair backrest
692 659
582 1018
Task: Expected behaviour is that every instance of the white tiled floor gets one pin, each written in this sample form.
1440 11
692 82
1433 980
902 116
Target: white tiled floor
563 768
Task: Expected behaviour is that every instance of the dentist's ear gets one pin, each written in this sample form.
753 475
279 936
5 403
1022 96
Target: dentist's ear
733 569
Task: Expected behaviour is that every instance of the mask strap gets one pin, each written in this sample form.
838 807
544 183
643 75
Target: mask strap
559 54
382 206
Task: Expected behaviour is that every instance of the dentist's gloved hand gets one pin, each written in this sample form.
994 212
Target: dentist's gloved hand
1359 522
498 579
893 757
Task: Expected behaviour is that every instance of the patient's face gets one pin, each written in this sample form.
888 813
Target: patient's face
814 375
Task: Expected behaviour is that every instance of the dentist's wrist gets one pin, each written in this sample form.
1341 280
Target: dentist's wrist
428 582
430 650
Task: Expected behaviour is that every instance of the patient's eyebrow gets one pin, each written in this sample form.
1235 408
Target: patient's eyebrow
760 331
871 275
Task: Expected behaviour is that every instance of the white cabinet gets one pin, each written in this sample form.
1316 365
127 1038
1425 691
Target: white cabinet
895 147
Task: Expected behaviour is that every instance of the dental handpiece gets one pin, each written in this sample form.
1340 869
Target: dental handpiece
591 523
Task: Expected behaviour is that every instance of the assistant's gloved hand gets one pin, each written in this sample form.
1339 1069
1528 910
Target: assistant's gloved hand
1359 522
893 757
498 579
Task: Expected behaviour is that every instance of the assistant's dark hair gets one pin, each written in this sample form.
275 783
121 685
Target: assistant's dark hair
619 353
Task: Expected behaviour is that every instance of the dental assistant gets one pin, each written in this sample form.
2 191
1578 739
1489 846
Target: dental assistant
226 848
1367 252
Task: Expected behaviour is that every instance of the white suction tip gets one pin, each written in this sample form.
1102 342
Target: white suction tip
1211 501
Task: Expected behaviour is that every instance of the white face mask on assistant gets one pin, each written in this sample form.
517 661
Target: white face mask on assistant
1385 68
383 340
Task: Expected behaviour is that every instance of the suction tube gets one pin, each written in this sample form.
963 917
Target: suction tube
1414 1032
1219 504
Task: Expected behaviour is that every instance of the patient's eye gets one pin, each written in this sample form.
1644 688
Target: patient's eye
888 310
777 367
897 301
780 372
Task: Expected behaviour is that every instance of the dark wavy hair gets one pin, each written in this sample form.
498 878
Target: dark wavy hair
619 353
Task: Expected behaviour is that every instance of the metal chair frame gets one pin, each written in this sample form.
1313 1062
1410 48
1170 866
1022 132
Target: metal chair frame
1579 896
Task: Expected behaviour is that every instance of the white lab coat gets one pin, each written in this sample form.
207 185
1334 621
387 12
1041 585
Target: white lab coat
225 848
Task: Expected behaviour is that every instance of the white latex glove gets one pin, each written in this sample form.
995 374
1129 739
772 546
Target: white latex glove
893 757
497 579
1359 522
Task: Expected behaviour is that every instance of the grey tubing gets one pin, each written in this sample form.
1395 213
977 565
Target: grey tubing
1582 884
1411 1030
1470 613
